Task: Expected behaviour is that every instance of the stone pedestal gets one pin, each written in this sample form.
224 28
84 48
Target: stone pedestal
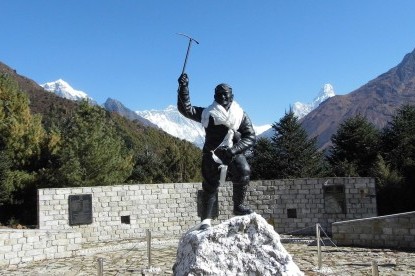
243 245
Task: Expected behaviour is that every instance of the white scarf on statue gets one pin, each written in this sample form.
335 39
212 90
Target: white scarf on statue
231 118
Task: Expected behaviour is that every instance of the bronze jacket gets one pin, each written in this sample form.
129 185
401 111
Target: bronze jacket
244 138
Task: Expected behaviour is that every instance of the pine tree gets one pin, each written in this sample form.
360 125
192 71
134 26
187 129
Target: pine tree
92 152
21 139
398 141
398 149
263 160
159 157
354 149
21 133
296 155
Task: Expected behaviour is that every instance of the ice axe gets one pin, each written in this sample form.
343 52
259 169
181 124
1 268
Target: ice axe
188 49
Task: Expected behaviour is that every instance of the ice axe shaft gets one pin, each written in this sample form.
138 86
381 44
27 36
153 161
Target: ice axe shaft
188 49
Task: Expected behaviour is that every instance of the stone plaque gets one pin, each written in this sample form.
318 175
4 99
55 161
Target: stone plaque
80 209
334 199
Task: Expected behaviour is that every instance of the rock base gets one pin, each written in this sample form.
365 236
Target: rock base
243 245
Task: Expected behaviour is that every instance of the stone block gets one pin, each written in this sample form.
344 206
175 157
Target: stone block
18 241
400 231
27 246
60 242
15 261
15 235
17 247
60 191
35 252
387 231
26 259
5 249
58 197
47 192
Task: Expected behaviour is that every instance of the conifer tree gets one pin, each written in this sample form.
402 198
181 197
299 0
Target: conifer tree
263 160
296 155
289 153
398 149
21 138
92 153
21 133
354 148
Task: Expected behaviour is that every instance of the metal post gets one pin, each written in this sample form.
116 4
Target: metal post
318 245
100 266
149 247
375 270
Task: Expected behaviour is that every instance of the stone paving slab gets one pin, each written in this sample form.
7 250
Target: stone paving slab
133 261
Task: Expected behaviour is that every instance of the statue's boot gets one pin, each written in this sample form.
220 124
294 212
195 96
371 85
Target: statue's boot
208 202
239 194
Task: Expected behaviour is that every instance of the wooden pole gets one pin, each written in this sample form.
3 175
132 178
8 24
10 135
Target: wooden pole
318 245
149 247
100 266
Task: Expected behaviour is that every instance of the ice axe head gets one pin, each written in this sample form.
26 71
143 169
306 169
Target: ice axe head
188 49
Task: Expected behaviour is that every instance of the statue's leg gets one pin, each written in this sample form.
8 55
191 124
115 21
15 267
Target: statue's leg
239 196
240 179
208 203
210 185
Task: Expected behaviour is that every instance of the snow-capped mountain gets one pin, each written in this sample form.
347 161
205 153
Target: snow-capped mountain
64 90
302 109
171 121
175 124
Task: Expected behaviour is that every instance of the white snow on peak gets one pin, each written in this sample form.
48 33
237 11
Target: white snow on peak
64 90
261 129
302 109
175 124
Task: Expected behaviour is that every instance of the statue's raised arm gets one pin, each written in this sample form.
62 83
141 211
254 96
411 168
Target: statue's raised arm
183 100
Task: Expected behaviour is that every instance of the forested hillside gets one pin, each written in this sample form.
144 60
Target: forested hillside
47 141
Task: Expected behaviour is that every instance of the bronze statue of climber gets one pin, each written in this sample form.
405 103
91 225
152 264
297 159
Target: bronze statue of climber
229 133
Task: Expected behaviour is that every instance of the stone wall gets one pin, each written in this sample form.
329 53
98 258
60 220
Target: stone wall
295 206
125 212
397 231
22 246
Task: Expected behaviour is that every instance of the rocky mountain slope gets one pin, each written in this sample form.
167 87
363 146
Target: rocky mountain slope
113 105
377 101
41 101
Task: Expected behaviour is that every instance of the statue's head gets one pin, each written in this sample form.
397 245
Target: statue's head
224 95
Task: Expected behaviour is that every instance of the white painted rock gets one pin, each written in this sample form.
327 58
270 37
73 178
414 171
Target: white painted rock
243 245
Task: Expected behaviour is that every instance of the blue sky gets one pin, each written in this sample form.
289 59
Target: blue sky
272 52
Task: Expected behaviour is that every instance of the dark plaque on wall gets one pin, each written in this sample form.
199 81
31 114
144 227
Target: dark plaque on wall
80 209
334 199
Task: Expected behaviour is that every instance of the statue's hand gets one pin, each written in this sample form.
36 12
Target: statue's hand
236 137
183 80
225 154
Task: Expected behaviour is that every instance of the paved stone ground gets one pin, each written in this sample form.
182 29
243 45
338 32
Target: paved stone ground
131 259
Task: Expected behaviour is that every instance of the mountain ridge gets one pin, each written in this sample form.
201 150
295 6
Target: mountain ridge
64 90
302 109
113 105
40 99
376 100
